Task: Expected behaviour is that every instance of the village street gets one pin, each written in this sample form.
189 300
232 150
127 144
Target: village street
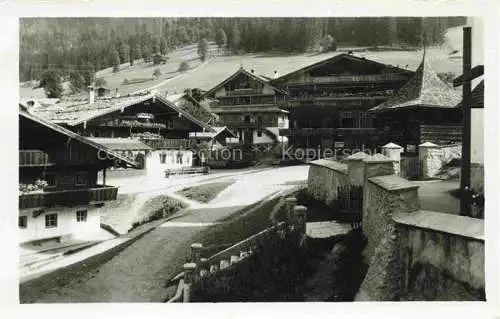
138 273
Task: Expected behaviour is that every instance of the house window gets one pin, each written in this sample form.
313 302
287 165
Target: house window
247 118
179 158
50 178
347 120
23 221
170 124
81 215
259 133
51 221
163 158
80 179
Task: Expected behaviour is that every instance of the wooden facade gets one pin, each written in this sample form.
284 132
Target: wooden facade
412 127
65 162
329 101
59 192
423 110
249 106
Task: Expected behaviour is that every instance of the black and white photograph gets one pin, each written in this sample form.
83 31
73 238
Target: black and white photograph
253 159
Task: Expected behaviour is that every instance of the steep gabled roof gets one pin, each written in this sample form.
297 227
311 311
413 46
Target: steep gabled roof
121 144
70 134
76 112
425 88
251 75
337 58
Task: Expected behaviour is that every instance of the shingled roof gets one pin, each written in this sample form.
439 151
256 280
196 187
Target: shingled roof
251 75
75 112
425 89
61 130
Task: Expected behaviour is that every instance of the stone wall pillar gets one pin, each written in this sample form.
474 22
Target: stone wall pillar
377 165
393 151
383 197
356 168
429 155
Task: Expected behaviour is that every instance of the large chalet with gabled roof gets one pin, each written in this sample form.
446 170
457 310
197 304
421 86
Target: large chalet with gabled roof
329 101
249 106
149 128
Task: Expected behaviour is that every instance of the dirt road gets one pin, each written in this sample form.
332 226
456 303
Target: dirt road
138 273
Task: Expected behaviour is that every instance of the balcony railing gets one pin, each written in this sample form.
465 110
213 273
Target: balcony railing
326 131
249 91
33 158
68 197
359 78
128 123
247 100
347 95
168 143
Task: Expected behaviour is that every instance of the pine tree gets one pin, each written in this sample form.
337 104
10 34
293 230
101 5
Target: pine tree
135 54
124 53
51 83
235 39
116 61
203 49
76 81
221 38
146 54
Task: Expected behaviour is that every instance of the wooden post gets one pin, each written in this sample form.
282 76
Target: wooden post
466 130
189 269
196 249
300 213
104 176
291 202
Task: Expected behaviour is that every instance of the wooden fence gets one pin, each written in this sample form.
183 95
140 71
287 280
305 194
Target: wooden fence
350 204
411 168
293 229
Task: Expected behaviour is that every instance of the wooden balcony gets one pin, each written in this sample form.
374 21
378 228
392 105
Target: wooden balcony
240 92
32 158
359 78
68 197
326 131
134 124
168 143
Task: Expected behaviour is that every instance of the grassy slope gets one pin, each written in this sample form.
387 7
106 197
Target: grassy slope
206 192
217 69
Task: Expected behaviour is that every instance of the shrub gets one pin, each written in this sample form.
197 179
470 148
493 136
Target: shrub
100 82
184 66
157 73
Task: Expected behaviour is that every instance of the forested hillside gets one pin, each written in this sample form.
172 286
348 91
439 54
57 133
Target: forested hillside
78 47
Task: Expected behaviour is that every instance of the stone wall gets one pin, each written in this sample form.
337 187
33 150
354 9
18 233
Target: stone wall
324 178
384 196
477 177
441 255
435 158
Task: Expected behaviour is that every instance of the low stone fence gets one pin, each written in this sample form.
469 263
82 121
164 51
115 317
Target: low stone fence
414 254
200 269
324 178
441 255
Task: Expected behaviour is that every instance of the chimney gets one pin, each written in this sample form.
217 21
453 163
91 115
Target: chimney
276 74
91 95
30 103
252 71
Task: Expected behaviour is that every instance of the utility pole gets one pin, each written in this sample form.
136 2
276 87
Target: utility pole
465 198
